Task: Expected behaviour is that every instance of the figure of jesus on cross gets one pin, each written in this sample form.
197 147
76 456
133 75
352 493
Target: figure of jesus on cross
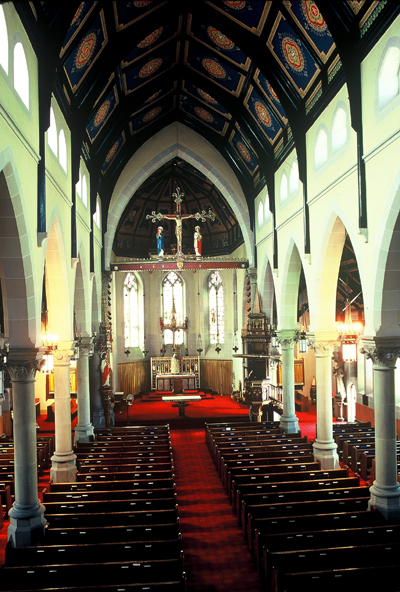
178 217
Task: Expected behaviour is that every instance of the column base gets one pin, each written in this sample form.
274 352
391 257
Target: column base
83 433
289 424
63 469
387 501
326 453
27 525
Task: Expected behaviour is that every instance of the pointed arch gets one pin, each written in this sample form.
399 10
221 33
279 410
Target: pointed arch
287 311
20 302
57 284
382 314
330 248
216 176
81 295
267 288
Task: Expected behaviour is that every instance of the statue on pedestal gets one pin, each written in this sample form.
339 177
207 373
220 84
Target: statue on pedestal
197 242
160 241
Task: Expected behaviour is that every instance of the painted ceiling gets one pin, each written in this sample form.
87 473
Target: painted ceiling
249 76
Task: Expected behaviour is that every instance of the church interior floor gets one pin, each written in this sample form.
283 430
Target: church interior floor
216 556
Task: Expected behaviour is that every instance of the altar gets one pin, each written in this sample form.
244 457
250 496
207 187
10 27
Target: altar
165 371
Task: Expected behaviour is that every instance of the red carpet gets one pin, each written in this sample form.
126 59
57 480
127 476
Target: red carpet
216 556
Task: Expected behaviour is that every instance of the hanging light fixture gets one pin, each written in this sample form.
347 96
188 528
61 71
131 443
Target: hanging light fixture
274 339
303 343
49 343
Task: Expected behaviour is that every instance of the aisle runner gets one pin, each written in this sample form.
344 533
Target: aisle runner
216 556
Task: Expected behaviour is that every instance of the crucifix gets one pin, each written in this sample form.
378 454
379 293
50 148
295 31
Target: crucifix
178 217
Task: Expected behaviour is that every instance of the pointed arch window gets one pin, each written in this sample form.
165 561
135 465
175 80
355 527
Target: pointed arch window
52 132
216 308
131 311
339 130
389 77
260 214
173 313
62 150
3 41
267 212
294 177
283 190
321 149
21 74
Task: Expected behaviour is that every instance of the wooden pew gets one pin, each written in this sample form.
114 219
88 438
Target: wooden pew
93 482
299 472
276 465
265 488
252 516
105 494
318 494
91 534
85 506
348 446
242 448
273 457
96 574
125 475
85 553
122 465
375 534
341 557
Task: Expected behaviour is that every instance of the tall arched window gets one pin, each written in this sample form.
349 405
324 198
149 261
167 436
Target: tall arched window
216 308
172 289
3 41
339 130
294 177
84 190
321 149
283 190
52 132
389 77
96 215
131 311
62 150
267 212
260 213
21 74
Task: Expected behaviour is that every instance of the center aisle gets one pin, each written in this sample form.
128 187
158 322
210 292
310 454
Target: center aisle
216 556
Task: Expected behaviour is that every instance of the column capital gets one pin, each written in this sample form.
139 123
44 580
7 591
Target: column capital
86 346
383 351
22 364
252 273
63 354
287 338
324 344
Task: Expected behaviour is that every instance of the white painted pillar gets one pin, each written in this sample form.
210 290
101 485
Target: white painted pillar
63 468
289 421
325 448
385 490
27 521
84 429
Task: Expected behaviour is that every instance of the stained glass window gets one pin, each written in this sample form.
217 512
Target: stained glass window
131 311
173 307
216 308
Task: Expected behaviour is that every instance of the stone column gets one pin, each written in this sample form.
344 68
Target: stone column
97 409
27 521
63 468
385 490
325 448
289 421
84 428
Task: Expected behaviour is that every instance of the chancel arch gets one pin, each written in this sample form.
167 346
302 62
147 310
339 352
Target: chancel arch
221 177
